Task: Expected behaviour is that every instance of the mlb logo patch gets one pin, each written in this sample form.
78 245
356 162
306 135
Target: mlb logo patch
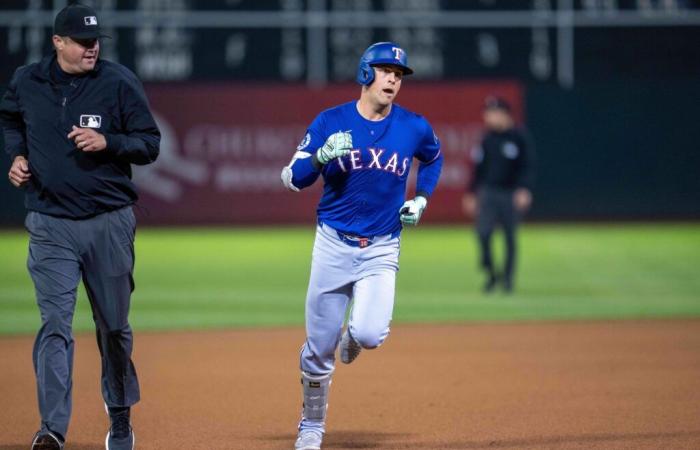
90 20
510 150
90 121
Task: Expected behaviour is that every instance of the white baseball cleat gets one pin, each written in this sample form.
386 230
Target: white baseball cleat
309 440
349 348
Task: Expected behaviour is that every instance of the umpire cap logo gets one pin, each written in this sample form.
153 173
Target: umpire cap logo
90 20
90 121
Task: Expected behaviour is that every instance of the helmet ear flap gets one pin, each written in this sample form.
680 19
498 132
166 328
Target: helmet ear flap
365 74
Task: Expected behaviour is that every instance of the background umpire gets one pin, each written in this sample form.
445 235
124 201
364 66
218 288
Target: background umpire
73 125
500 189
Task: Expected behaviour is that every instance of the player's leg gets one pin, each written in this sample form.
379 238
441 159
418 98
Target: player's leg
55 270
329 291
109 263
485 224
325 312
373 298
312 426
327 297
373 305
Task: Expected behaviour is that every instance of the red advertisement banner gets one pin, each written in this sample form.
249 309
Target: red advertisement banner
224 145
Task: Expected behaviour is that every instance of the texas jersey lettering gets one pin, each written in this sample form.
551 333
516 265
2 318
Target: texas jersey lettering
381 157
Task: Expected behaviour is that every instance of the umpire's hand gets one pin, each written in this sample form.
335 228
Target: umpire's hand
87 139
522 199
470 205
19 173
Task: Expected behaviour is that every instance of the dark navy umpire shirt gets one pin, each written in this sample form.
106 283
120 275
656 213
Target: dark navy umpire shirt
505 160
37 112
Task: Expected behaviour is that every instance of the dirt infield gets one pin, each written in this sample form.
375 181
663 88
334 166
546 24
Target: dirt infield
603 385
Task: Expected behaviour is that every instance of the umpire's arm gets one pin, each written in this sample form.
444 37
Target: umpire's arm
14 133
11 121
139 143
525 177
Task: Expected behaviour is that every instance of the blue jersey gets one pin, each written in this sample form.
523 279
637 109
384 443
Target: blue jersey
363 191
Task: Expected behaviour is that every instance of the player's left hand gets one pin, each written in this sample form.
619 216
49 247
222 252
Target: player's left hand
411 210
87 139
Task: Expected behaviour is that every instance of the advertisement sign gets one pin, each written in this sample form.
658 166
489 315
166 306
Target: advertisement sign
224 145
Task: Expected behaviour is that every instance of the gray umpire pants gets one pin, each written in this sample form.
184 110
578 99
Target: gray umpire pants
100 250
496 207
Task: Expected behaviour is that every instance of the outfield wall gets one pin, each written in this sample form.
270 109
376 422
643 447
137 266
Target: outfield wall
617 150
606 150
224 146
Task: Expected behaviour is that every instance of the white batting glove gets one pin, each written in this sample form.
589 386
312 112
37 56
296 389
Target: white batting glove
411 210
337 145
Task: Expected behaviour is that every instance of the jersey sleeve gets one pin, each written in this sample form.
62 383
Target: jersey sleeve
477 157
431 159
300 172
525 177
11 121
139 141
429 146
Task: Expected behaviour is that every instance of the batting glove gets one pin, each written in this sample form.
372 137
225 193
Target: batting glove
337 145
411 210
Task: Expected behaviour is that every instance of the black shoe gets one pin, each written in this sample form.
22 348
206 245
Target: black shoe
120 435
46 440
491 282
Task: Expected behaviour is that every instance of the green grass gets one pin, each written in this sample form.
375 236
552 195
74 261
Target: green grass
207 278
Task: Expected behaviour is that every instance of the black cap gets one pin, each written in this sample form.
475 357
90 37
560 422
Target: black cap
77 21
495 102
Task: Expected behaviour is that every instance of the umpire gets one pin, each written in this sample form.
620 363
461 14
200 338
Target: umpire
73 125
500 190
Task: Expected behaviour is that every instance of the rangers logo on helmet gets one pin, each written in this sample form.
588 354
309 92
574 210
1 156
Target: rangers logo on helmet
388 53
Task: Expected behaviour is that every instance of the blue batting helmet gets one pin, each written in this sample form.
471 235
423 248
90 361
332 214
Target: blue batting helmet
381 53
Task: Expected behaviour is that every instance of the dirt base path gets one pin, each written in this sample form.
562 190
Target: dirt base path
603 385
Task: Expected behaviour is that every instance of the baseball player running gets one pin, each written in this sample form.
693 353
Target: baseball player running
364 150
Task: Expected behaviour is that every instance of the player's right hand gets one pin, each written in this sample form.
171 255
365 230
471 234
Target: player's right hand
337 145
19 173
